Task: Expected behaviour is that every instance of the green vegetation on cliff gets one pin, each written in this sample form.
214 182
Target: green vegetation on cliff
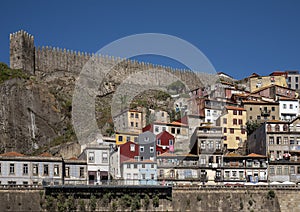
7 73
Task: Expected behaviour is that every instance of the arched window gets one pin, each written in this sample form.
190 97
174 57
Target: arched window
285 127
277 127
269 128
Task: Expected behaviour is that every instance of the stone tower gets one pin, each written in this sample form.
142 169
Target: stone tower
22 51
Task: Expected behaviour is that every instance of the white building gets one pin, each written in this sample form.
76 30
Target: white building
288 109
211 115
136 172
96 154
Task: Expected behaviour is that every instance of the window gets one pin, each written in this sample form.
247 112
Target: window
292 170
25 169
11 168
136 124
250 117
231 130
240 112
178 130
234 121
141 148
243 131
240 122
67 171
273 108
56 170
227 174
225 138
271 140
135 166
284 106
202 144
234 112
164 129
104 157
162 114
143 166
272 170
258 117
128 166
46 169
152 166
152 176
277 127
286 170
158 141
128 176
224 120
35 169
0 168
151 149
250 108
234 174
292 141
132 147
173 130
218 144
136 115
131 124
143 176
296 79
171 142
291 106
208 112
135 139
279 170
91 157
156 129
298 169
225 130
285 140
131 115
135 176
211 145
237 138
120 138
278 140
273 117
127 139
81 172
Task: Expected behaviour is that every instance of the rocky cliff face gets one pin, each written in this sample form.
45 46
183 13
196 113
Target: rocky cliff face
31 116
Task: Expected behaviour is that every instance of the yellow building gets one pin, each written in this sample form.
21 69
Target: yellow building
234 127
129 121
122 138
259 82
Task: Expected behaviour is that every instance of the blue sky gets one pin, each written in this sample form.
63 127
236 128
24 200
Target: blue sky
239 37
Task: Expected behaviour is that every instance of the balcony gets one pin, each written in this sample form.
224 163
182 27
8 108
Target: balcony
265 112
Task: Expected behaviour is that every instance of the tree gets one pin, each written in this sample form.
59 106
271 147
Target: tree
146 201
155 201
252 126
93 203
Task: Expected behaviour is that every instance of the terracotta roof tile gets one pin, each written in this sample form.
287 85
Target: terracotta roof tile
45 154
12 154
256 155
234 108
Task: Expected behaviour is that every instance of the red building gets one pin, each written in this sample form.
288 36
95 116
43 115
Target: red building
164 142
129 150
